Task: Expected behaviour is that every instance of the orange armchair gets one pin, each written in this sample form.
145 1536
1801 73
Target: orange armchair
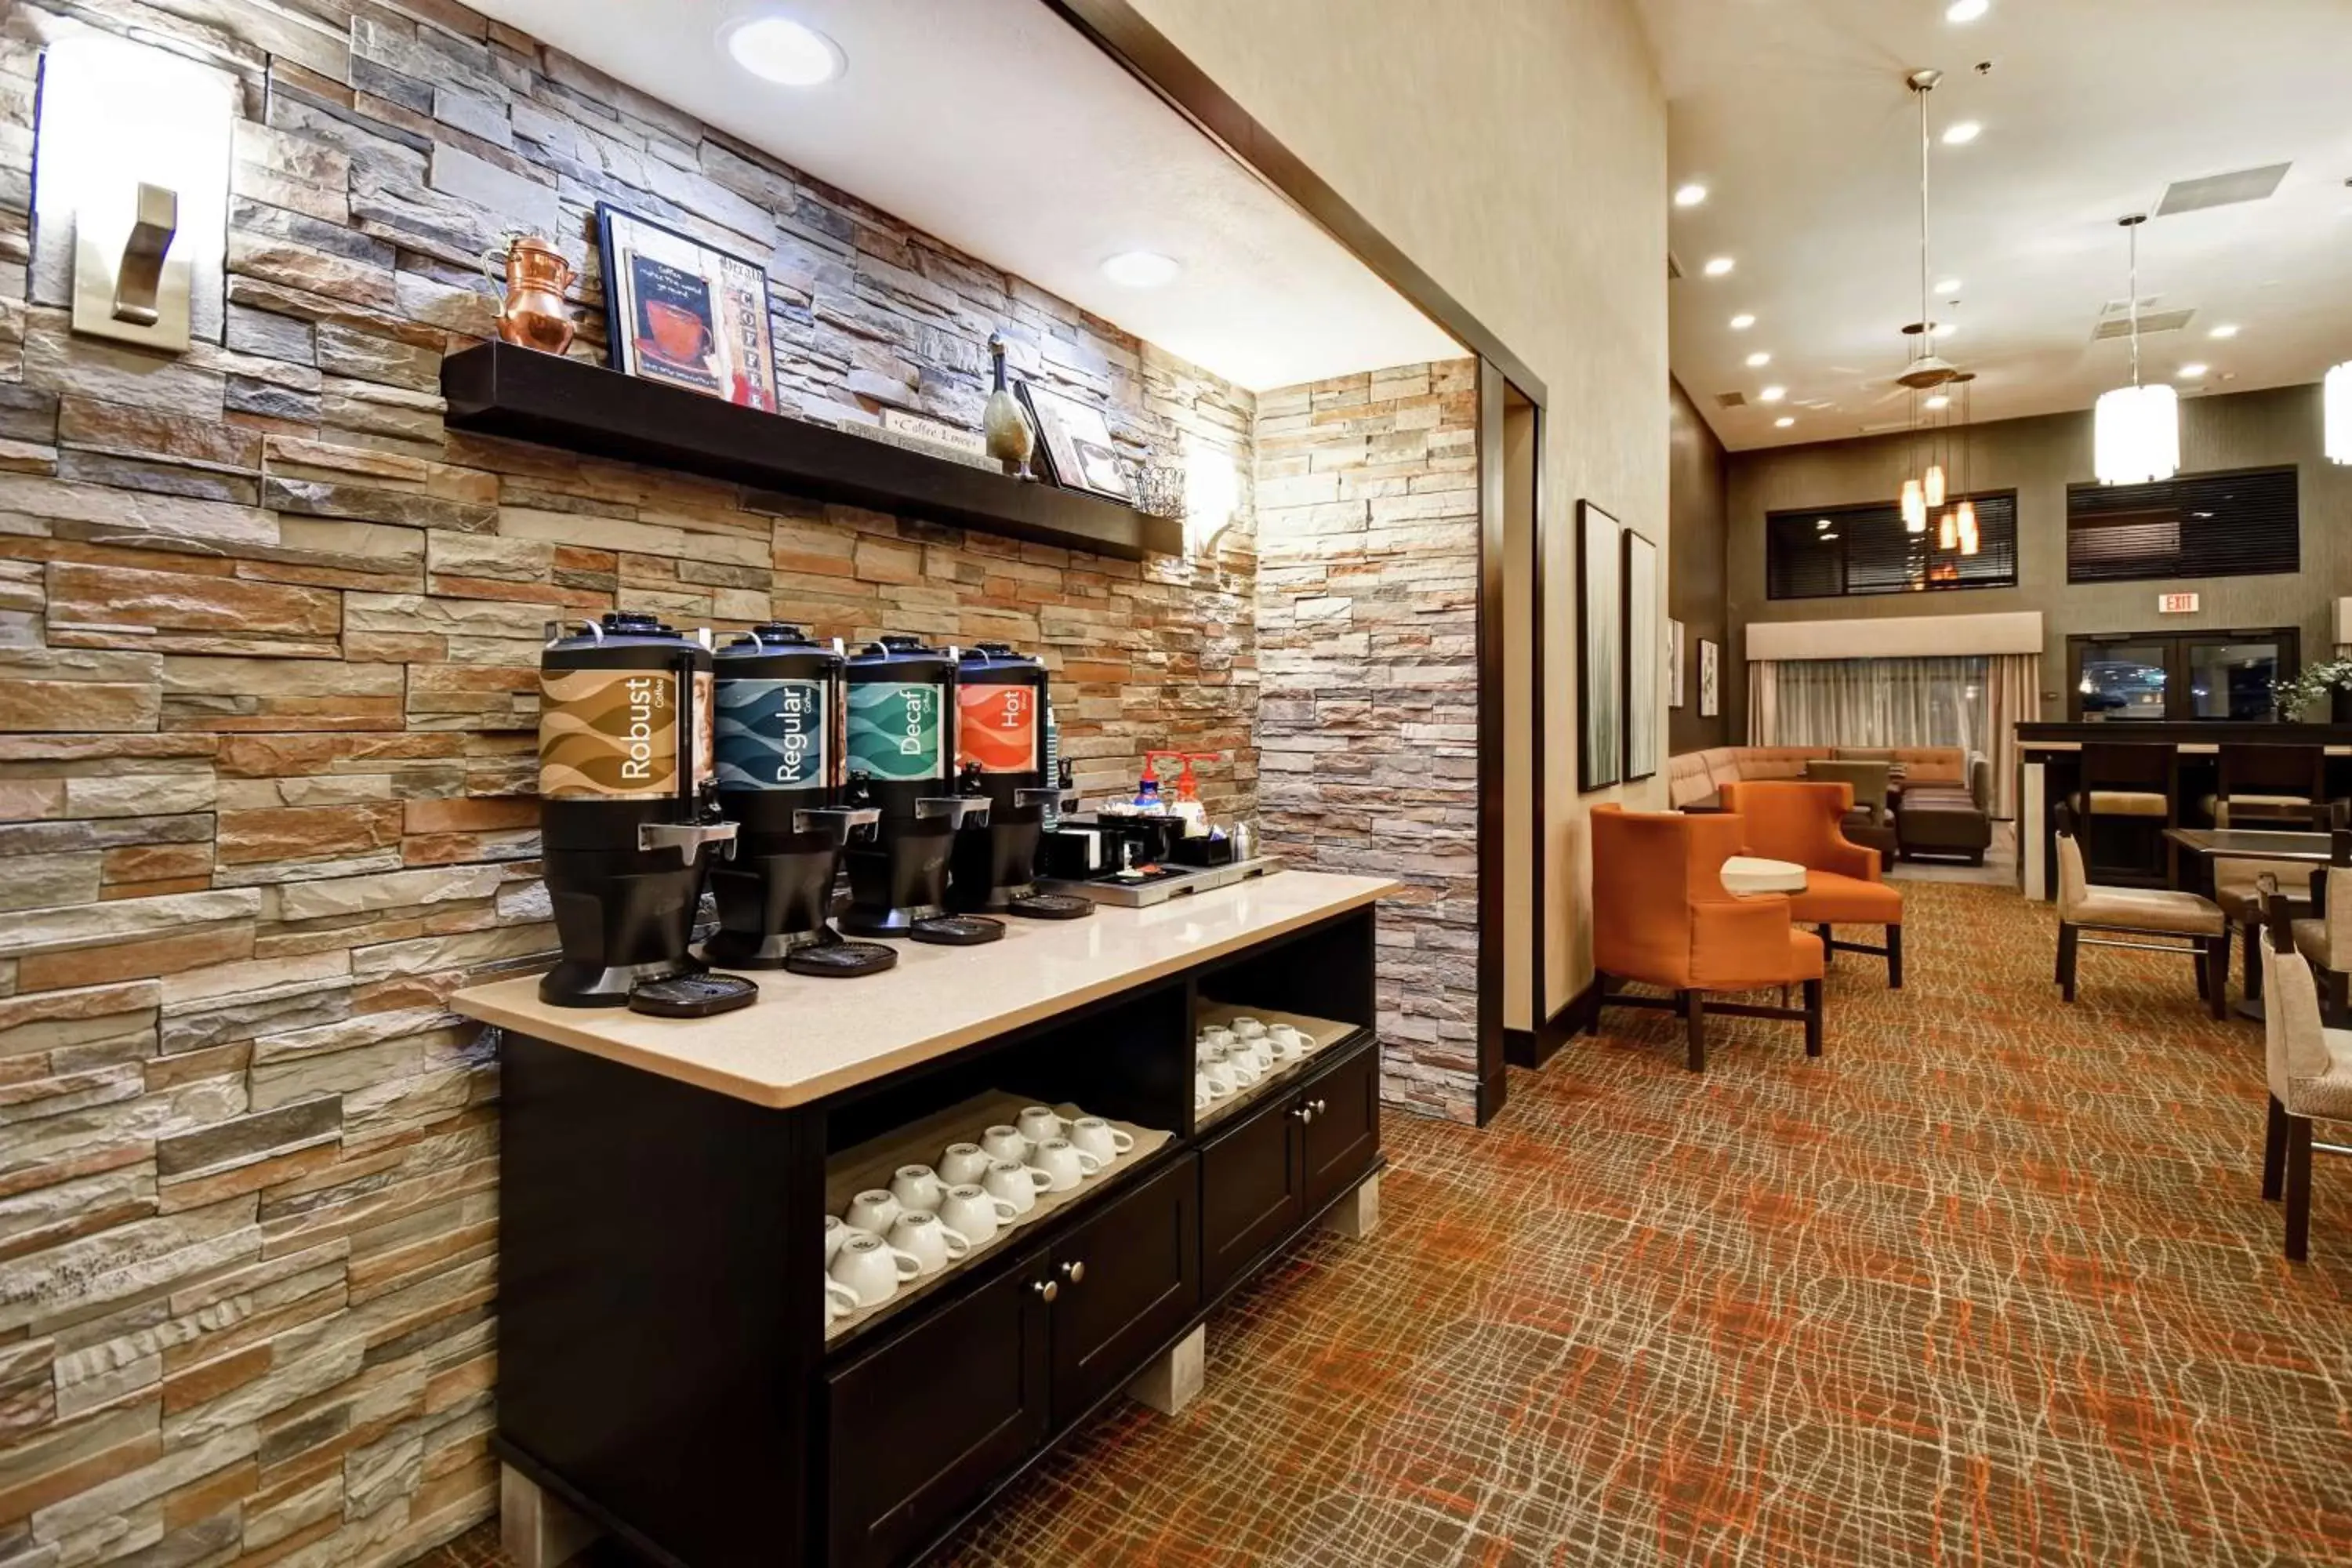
1662 917
1802 823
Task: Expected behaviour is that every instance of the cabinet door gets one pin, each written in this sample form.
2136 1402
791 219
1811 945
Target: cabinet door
1344 1138
1129 1276
922 1427
1249 1190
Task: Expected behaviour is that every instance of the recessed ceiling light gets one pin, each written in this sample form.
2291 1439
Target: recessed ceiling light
1772 394
2227 330
1823 524
1961 132
2192 372
1966 10
1939 401
1140 268
1720 267
1948 286
1758 360
779 50
1690 196
1742 321
1783 422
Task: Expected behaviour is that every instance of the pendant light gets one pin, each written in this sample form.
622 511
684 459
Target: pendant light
1927 369
1966 521
1915 507
2137 428
2340 414
1947 534
1934 484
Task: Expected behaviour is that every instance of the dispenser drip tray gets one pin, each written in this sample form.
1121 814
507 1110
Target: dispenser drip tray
957 930
692 995
841 960
1050 907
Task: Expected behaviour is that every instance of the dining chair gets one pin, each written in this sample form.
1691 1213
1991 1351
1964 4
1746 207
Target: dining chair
2308 1066
1801 822
2261 784
1662 917
2237 889
2127 786
2138 912
2324 936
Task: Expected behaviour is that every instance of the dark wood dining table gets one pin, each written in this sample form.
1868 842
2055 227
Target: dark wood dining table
2253 843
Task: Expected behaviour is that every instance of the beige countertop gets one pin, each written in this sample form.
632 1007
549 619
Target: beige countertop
805 1038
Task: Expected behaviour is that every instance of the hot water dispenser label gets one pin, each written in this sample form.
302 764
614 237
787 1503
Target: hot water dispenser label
895 731
771 734
608 734
997 728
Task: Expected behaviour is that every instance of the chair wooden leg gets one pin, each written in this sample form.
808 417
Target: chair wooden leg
1813 1017
2250 940
1697 1013
2274 1151
2337 1003
1600 1000
1829 952
2067 953
2298 1188
1894 958
2216 964
2200 958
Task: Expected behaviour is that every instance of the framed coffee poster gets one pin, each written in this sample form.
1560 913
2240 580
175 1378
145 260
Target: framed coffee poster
1601 737
1077 442
686 313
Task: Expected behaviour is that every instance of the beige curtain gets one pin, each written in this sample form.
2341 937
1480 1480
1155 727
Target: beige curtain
1873 702
2013 693
1763 699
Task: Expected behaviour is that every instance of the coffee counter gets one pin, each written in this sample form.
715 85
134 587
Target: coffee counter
667 1374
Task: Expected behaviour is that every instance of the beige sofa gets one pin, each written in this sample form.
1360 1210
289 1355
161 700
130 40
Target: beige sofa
1947 792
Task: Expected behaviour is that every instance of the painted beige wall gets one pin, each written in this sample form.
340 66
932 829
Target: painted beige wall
2039 459
1519 157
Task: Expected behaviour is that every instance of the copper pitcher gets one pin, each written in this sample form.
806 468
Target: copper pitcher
533 315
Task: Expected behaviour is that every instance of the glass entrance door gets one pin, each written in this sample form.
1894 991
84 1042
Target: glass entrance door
2217 676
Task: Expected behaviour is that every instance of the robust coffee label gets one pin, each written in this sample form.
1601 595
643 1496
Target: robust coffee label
996 727
607 734
706 726
896 731
771 734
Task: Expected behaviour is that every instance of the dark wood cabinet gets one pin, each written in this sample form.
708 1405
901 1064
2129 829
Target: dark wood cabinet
1341 1140
1250 1189
925 1425
1128 1278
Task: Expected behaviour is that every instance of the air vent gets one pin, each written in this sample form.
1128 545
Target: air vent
2222 189
2161 322
2147 302
1673 267
1731 400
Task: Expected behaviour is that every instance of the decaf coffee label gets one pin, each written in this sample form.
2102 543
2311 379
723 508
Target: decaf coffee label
771 734
997 728
895 731
607 734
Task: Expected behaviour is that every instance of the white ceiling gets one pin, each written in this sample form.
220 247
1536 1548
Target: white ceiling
995 126
1795 115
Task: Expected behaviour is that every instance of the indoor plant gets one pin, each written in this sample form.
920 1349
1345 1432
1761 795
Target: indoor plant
2330 678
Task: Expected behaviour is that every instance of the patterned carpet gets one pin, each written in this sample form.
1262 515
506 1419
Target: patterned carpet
1989 1284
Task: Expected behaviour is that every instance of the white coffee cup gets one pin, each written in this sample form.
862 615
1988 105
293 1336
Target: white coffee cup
1246 1028
1218 1074
836 1233
975 1212
961 1162
1216 1035
1258 1054
873 1210
1065 1164
1093 1135
1038 1123
1287 1042
1006 1143
840 1300
919 1235
1017 1183
871 1269
1201 1094
917 1187
1244 1068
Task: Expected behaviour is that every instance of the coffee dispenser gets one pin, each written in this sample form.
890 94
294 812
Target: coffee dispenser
626 805
779 718
901 705
1000 755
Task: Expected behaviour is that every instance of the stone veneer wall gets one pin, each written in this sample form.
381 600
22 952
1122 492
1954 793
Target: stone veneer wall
267 637
1368 724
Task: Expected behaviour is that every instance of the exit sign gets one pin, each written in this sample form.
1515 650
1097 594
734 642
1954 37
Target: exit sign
2175 604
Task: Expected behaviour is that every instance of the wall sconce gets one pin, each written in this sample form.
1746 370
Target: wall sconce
131 190
1213 493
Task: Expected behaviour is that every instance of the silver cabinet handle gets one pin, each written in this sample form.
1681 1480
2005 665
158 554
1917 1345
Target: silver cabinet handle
1320 1106
1046 1290
1075 1271
1305 1113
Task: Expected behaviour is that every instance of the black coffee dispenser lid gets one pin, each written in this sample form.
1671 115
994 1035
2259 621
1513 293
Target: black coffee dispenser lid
986 657
898 649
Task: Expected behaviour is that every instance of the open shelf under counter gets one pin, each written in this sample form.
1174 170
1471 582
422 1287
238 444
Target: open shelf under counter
1328 1034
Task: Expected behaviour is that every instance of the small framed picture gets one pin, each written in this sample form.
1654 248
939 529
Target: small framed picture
1077 443
684 313
1711 678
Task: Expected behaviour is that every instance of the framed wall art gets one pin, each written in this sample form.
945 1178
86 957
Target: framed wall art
685 313
1077 442
1600 594
1675 696
1710 680
1642 646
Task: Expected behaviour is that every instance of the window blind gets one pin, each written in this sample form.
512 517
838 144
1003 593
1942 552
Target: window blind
1847 552
2238 524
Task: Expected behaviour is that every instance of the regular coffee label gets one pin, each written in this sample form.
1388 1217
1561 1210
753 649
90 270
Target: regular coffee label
896 731
771 734
996 727
607 734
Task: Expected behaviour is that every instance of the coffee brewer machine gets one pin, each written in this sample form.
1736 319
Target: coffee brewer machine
626 808
779 715
901 707
1000 752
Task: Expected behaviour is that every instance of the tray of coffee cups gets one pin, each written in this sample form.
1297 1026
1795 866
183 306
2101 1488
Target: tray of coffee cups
906 1210
1240 1054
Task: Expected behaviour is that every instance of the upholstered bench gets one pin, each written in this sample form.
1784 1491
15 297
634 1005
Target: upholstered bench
1935 819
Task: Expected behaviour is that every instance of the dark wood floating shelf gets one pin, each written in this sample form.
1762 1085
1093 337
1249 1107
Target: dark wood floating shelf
497 389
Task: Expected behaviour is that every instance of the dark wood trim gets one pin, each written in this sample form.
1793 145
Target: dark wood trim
496 389
1540 840
1119 31
1534 1048
1494 824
